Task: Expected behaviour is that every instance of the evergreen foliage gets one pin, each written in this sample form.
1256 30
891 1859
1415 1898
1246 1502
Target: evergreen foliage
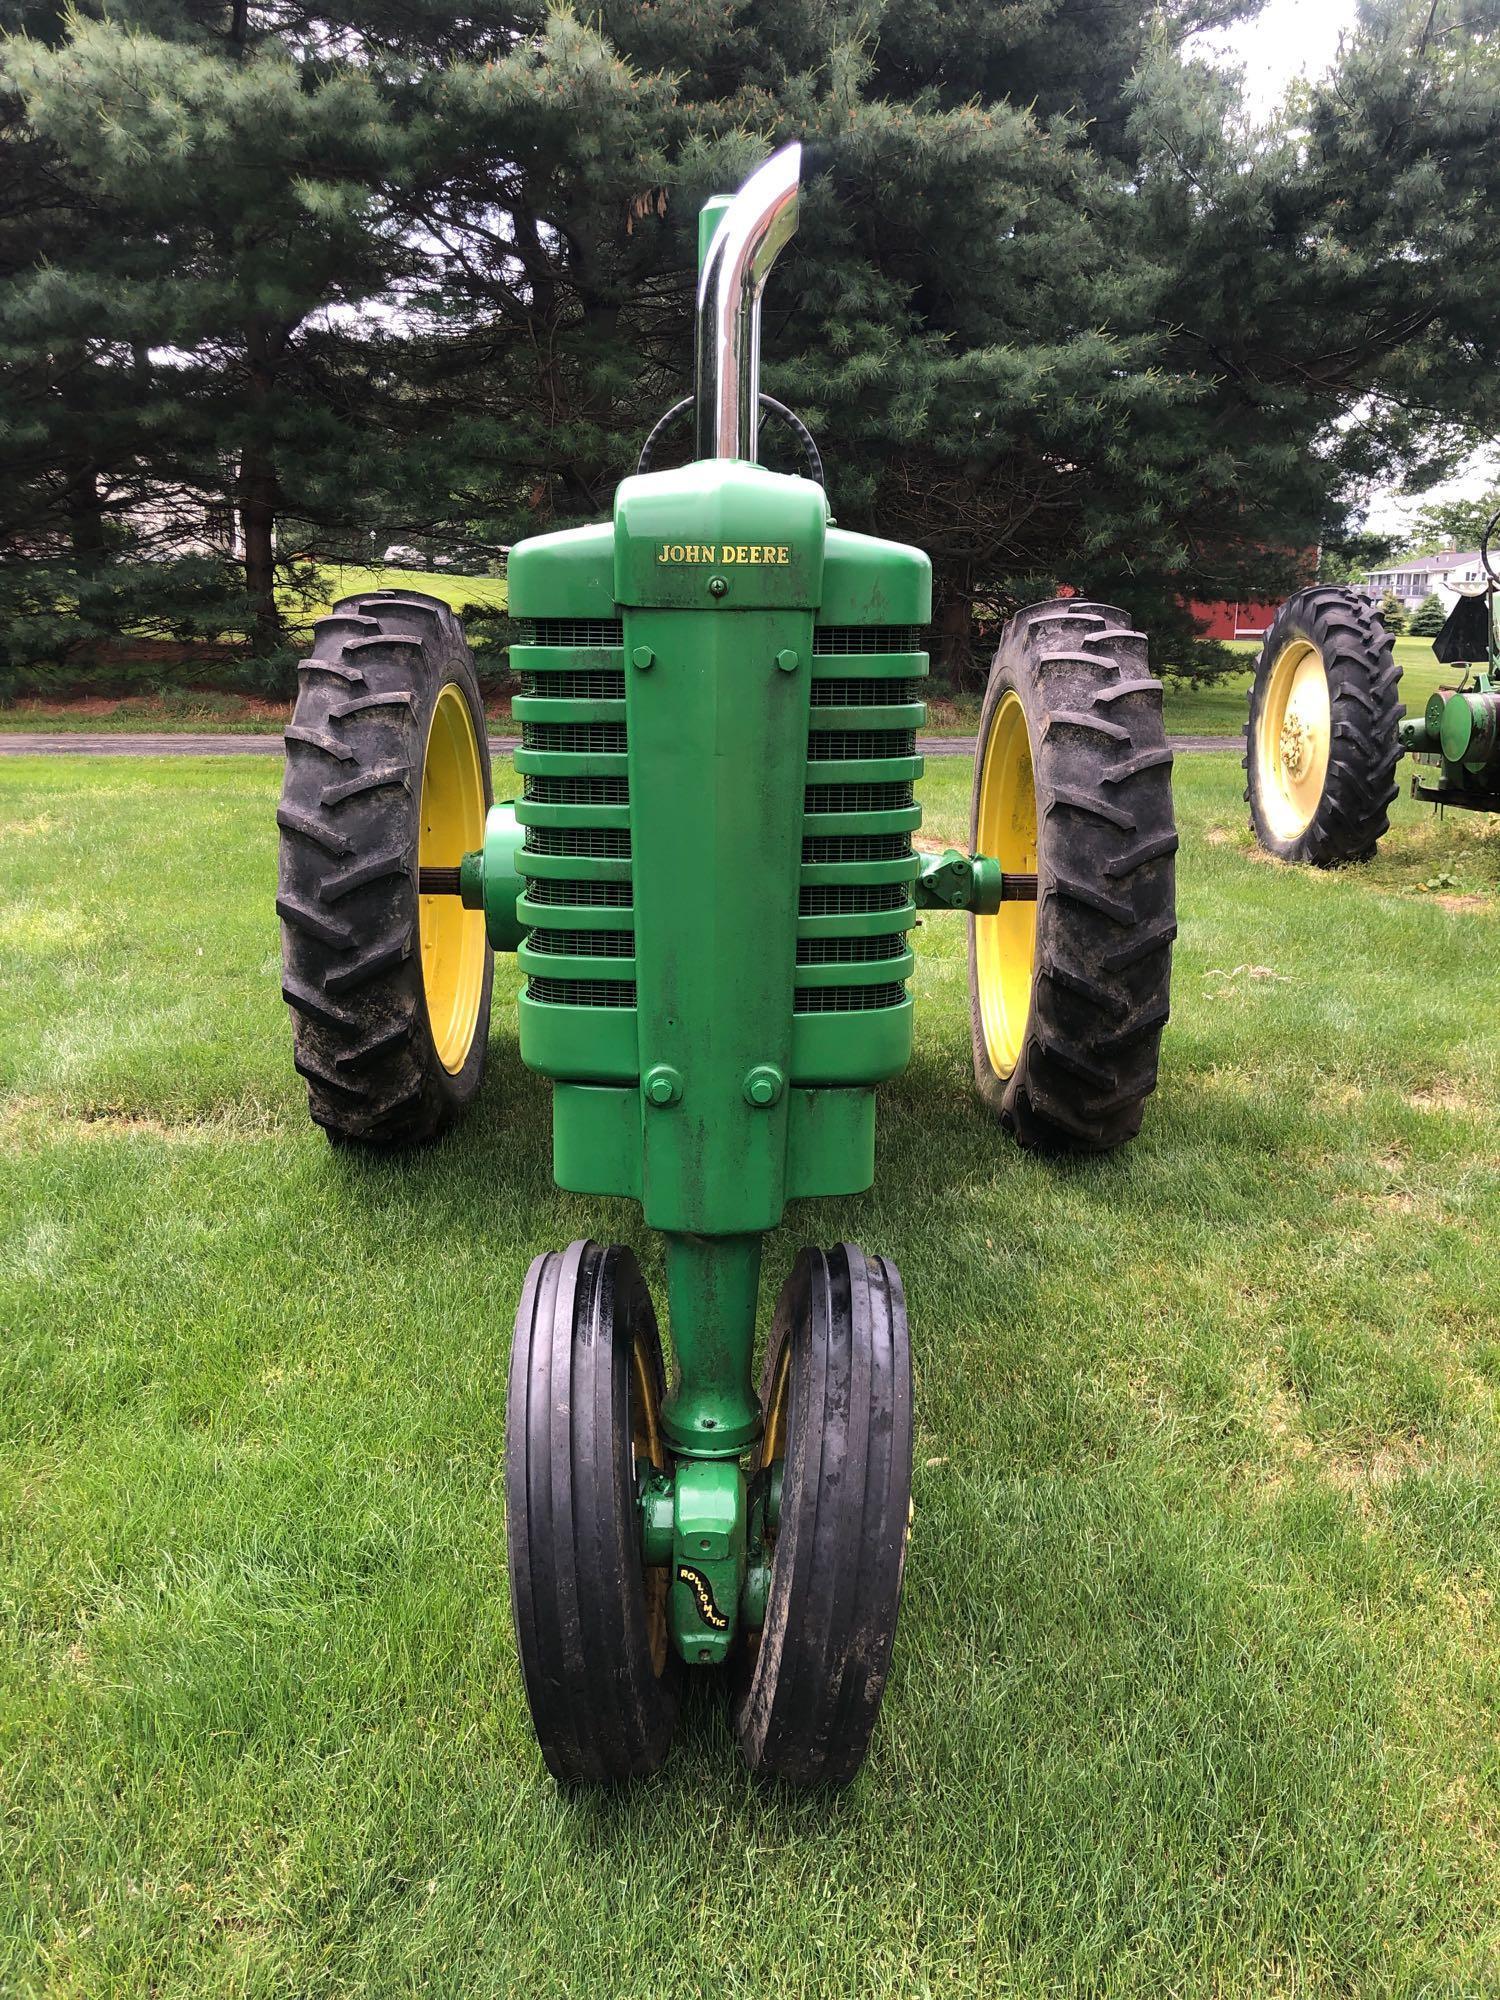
1392 613
1427 620
286 281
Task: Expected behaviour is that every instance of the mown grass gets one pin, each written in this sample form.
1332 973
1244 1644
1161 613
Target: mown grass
1195 1686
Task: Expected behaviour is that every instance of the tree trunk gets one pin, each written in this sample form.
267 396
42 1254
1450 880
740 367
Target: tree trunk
955 636
85 512
258 526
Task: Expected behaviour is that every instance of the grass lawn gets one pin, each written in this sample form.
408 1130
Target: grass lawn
1196 1682
1220 708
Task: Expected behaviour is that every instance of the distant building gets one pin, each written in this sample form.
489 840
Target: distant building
1414 577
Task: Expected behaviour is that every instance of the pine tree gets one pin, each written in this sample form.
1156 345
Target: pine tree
1428 618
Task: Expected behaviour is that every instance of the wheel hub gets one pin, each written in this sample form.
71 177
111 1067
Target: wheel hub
1295 745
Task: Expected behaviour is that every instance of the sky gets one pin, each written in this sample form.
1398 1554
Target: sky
1288 38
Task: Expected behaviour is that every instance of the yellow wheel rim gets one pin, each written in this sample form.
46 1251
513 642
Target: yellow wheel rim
453 940
1005 943
1292 735
649 1448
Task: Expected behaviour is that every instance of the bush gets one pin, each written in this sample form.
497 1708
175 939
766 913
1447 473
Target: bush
1392 612
1429 617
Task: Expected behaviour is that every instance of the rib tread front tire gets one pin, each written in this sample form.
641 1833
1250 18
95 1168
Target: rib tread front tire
810 1685
600 1674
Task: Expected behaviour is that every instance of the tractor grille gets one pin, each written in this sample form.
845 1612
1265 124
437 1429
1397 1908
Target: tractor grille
579 895
578 791
569 632
576 770
582 992
855 899
847 999
880 913
828 746
842 692
584 944
855 847
858 798
867 639
571 684
850 950
581 738
593 843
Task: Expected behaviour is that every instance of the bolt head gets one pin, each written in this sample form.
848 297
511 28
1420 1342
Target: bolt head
663 1085
763 1086
642 657
787 660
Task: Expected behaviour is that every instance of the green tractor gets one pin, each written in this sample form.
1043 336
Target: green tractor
1327 725
710 882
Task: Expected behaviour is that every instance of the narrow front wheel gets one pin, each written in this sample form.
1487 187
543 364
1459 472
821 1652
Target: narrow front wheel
583 1427
837 1445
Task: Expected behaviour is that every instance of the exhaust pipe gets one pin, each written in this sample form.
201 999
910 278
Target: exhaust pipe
726 347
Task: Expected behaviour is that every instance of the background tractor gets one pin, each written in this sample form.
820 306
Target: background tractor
710 883
1327 725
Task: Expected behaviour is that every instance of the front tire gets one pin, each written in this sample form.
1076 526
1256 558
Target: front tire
583 1418
1068 995
837 1399
387 772
1321 743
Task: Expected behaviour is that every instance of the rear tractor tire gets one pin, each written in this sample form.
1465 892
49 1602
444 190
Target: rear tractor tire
1321 742
387 772
1068 995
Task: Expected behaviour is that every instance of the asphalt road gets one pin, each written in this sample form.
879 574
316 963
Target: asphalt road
25 743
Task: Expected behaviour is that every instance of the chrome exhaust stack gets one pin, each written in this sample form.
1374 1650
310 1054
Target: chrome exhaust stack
726 346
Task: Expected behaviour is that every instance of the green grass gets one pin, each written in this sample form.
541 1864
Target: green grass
344 580
1219 708
1196 1682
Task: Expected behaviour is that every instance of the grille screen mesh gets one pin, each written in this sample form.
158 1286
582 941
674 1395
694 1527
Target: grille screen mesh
825 745
846 693
584 944
578 791
850 950
579 895
589 738
570 632
855 847
857 798
582 992
847 999
847 899
569 684
867 639
599 843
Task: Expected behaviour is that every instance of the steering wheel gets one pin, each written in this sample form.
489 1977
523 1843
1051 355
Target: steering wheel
1484 549
811 458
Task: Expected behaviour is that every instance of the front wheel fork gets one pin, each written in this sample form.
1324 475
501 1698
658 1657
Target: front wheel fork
703 1520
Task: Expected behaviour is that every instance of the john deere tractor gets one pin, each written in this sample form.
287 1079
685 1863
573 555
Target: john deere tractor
1327 726
710 882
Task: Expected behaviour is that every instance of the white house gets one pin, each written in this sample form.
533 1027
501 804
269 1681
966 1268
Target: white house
1411 578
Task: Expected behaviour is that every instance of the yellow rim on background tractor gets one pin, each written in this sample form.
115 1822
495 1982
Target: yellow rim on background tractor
1005 943
1293 732
453 940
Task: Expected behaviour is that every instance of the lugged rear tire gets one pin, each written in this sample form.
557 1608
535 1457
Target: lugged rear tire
388 1029
1072 782
1320 783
